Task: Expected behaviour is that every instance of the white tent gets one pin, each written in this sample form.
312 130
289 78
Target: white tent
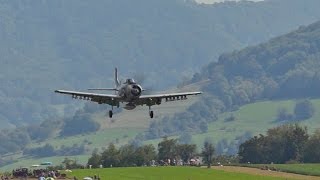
87 178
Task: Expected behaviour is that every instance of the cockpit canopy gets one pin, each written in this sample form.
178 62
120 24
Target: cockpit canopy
130 81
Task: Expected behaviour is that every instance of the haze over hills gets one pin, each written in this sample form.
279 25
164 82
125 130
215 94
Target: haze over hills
243 94
286 67
283 68
47 45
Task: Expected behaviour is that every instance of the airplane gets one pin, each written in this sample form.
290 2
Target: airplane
128 92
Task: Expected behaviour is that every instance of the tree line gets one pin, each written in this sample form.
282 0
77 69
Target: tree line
284 144
290 143
168 152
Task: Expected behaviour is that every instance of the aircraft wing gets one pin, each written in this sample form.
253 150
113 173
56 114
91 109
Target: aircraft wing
150 100
110 99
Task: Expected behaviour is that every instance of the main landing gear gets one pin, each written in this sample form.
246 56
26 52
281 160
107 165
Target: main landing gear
111 112
150 112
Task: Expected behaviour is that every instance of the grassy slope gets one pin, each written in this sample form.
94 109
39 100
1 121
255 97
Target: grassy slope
255 118
168 173
306 169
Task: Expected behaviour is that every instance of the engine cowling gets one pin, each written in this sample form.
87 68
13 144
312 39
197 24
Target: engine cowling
136 90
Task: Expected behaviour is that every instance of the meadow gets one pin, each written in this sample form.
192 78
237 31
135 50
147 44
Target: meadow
305 169
168 173
255 118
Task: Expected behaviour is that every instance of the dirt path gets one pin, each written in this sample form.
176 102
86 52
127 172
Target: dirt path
255 171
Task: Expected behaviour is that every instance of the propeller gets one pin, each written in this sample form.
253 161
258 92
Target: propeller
141 79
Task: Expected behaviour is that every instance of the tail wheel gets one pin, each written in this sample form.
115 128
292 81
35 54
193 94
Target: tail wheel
151 114
110 114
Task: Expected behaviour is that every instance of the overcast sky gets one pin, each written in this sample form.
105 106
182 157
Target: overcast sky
213 1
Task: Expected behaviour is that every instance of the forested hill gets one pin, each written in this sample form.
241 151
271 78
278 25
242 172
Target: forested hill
286 67
75 44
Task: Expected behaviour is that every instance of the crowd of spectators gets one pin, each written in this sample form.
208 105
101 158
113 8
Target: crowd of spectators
24 173
21 173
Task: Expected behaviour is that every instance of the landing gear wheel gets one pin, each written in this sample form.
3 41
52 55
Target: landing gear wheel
110 114
151 114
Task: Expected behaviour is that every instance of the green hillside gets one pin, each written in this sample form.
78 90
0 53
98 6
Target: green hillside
160 42
285 67
75 44
253 119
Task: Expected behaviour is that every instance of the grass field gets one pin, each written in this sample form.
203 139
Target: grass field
167 173
255 118
305 169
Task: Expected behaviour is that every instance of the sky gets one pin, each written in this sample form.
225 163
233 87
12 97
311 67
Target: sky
213 1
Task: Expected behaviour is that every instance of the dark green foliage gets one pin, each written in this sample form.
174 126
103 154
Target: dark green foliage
44 151
95 159
110 157
126 156
282 144
80 123
48 150
73 150
145 154
230 118
284 115
312 149
167 149
71 164
303 110
207 153
186 151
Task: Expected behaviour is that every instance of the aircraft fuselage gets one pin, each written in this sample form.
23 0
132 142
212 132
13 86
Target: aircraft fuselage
130 92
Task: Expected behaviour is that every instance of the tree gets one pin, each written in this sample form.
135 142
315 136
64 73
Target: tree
312 149
127 155
252 150
95 159
303 110
284 115
280 145
71 163
145 154
167 149
207 153
111 156
186 151
80 123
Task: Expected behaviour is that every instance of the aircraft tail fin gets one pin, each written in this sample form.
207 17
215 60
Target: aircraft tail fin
116 80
